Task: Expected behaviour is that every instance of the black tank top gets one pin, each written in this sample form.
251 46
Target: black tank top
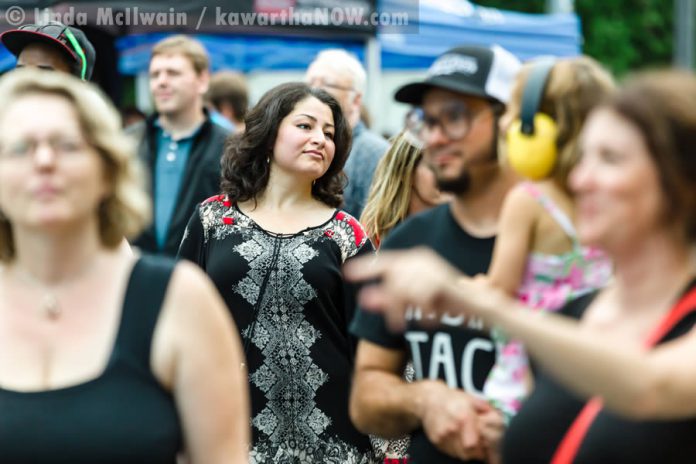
536 431
122 416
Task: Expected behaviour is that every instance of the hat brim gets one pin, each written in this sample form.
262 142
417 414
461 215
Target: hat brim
413 93
16 40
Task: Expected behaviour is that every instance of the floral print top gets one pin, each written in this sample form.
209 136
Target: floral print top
548 284
288 298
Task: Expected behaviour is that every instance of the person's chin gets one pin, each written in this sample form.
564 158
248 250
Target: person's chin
49 221
166 107
454 184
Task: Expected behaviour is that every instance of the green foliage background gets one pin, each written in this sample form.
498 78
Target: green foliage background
624 35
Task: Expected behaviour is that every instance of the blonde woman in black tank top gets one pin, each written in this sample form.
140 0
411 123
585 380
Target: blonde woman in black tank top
104 357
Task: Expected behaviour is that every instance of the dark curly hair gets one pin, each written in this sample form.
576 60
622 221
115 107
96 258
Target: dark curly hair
245 171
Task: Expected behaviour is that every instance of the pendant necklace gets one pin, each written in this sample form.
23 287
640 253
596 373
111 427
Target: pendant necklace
49 306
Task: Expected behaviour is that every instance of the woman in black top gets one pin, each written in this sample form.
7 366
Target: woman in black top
104 358
274 244
635 186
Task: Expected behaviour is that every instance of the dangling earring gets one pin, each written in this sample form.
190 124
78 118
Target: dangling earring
314 182
268 160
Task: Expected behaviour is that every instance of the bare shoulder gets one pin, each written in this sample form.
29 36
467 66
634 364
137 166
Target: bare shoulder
520 196
520 205
192 297
193 313
189 283
557 194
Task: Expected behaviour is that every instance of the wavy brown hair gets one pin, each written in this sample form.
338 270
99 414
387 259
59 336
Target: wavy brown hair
662 105
245 171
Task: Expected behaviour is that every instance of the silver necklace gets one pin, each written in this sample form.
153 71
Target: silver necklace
49 307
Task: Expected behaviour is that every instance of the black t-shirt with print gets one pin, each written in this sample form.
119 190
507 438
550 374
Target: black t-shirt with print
457 351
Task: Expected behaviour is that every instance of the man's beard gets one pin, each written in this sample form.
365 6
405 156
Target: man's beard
457 185
462 183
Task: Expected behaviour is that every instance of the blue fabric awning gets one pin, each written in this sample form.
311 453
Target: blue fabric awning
445 24
440 24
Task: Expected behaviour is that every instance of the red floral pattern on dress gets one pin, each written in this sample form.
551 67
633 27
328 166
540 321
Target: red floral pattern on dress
357 228
222 198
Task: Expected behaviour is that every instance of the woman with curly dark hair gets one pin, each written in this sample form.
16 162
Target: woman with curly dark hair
274 244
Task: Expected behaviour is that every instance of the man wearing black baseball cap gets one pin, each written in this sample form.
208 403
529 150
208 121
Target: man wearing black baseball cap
457 107
51 46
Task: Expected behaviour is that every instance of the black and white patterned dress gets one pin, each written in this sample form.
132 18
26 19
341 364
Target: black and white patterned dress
288 298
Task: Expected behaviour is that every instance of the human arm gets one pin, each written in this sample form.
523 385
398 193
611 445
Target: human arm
513 240
658 384
197 354
383 404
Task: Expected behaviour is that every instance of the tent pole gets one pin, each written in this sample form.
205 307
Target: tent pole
560 6
684 33
143 98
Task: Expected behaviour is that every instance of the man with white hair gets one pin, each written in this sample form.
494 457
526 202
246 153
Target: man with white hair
343 76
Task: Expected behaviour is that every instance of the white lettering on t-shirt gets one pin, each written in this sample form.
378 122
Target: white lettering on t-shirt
442 354
414 338
459 320
474 345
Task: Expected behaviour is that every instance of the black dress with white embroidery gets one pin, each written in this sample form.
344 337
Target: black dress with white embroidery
292 307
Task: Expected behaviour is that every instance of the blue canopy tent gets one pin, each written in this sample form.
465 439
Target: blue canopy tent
445 24
439 24
434 26
395 54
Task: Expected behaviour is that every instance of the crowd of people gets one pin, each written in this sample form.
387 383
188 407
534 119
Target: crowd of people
511 278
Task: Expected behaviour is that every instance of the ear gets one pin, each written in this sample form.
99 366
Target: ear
357 100
203 81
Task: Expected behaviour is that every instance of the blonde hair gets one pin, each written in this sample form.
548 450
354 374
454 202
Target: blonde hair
186 46
127 210
390 192
574 87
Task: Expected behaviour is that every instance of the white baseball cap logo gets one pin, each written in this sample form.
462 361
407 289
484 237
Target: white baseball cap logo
451 63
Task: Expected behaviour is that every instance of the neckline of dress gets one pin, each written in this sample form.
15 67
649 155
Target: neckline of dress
285 234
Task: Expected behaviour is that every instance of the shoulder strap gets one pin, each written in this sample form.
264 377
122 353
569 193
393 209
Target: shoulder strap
141 308
556 213
570 445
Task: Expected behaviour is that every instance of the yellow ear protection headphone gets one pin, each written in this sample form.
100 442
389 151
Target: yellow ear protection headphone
531 140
